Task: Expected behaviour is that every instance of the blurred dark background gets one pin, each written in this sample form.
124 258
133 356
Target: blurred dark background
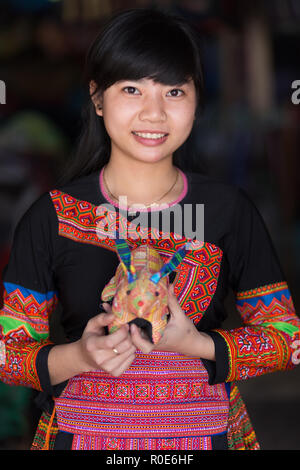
248 136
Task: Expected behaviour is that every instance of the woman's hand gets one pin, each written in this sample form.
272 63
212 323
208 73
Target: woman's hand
180 335
94 350
112 353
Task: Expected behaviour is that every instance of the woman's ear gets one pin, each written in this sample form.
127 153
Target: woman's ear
96 98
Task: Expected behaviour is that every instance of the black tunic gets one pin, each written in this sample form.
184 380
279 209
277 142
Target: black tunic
57 257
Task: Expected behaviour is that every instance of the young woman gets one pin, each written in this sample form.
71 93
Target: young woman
118 390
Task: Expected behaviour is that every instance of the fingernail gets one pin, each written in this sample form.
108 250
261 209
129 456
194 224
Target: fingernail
104 305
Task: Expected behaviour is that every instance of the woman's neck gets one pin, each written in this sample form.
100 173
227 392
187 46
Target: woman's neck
143 183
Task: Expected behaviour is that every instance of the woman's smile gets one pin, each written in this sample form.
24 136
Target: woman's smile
150 138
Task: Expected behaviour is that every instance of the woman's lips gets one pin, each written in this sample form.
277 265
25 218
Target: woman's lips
148 141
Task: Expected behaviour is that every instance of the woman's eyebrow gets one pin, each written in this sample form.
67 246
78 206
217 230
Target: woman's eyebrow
145 80
178 84
132 79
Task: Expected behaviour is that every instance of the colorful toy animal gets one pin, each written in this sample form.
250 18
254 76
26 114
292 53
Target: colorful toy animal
139 288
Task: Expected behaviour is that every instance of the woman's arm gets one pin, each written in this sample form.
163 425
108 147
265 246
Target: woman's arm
268 339
29 298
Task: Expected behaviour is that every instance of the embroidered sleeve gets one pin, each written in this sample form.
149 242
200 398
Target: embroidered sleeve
268 339
29 299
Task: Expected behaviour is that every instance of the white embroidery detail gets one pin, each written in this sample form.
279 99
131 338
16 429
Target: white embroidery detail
296 354
2 353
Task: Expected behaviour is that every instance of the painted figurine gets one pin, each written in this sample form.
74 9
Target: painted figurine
139 288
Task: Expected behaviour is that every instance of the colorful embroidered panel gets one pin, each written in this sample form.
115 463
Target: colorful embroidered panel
46 430
196 276
269 341
240 433
161 394
24 329
110 443
28 309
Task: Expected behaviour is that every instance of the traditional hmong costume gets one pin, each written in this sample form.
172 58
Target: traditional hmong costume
64 252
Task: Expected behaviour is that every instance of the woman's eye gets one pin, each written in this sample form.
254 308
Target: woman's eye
175 91
130 90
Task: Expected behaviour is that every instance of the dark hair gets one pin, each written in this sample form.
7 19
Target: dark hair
134 44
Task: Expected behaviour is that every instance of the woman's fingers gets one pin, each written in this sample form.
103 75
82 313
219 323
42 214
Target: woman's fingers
123 347
107 307
119 362
98 342
141 343
173 304
124 365
96 323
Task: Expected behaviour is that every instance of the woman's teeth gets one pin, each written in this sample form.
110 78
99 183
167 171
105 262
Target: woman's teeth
148 135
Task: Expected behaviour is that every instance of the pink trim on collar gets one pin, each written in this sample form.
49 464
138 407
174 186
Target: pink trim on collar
180 197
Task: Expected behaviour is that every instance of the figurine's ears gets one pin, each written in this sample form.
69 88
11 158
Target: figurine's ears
172 264
124 253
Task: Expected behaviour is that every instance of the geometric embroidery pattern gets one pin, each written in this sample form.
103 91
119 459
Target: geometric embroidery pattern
161 395
20 359
265 342
197 275
24 330
240 434
25 306
81 442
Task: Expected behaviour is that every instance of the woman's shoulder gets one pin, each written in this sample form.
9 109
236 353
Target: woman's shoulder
39 208
37 221
211 188
84 188
42 209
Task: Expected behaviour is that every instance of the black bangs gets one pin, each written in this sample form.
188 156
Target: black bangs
146 44
157 53
135 44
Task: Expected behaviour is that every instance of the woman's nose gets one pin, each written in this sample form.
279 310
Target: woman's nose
153 109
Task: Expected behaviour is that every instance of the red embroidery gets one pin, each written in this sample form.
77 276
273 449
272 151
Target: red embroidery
197 275
264 344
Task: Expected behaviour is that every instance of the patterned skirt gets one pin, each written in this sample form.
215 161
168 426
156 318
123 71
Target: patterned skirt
162 402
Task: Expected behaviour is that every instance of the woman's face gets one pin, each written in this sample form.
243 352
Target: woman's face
147 121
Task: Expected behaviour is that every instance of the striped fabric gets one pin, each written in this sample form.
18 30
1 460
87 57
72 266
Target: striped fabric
240 434
107 443
161 395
